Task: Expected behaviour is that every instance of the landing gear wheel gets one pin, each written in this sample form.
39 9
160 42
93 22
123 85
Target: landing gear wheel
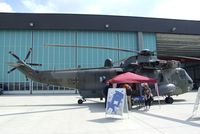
80 101
169 100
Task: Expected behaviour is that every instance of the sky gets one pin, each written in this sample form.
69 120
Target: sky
172 9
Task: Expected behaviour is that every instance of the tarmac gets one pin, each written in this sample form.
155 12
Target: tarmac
60 114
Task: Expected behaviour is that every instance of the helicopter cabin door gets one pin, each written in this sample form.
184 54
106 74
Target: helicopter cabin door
90 83
87 83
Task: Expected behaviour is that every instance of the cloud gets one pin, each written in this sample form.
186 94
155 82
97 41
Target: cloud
36 7
52 6
177 9
106 7
4 7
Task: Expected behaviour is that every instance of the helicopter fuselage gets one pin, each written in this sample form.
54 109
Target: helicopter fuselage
89 83
171 79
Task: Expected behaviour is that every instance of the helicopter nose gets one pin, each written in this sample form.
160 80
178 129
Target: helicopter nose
167 88
171 87
190 86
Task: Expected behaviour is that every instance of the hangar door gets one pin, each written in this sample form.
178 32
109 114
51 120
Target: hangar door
177 44
183 45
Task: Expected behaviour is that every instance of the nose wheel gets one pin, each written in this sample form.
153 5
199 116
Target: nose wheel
80 101
169 100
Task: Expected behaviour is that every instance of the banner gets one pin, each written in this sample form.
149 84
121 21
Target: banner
116 101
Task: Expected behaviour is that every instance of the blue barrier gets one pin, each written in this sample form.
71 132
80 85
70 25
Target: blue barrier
138 100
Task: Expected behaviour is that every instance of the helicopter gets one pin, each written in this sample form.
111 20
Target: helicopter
171 78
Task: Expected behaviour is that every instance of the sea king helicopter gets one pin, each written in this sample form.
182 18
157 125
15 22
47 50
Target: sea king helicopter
171 78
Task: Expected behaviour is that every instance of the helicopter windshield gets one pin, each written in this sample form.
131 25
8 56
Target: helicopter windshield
182 74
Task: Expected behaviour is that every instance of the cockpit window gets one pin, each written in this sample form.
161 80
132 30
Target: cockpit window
182 74
160 77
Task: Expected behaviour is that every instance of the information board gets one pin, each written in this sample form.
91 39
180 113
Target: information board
116 101
196 104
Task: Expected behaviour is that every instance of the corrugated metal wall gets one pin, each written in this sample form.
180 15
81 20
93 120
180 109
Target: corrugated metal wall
178 44
20 41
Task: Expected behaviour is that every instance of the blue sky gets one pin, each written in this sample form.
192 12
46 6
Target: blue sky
174 9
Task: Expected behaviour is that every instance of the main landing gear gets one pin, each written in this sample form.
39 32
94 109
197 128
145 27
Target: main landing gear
80 101
169 100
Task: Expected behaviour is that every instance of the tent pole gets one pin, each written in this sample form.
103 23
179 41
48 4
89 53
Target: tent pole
157 91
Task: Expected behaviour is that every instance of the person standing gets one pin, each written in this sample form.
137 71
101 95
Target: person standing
105 91
148 96
128 93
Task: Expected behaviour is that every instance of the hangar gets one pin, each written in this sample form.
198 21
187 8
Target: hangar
21 31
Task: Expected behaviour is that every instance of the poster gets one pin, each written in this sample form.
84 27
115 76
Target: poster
116 101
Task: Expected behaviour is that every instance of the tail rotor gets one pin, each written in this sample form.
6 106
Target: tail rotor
24 61
28 54
14 55
34 64
11 70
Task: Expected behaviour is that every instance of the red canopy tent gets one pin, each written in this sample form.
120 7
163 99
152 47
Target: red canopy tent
129 77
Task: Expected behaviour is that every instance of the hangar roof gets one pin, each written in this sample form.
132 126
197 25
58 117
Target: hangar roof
97 22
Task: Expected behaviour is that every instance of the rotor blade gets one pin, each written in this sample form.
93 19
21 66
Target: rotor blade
178 57
85 46
34 64
14 55
28 54
11 70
